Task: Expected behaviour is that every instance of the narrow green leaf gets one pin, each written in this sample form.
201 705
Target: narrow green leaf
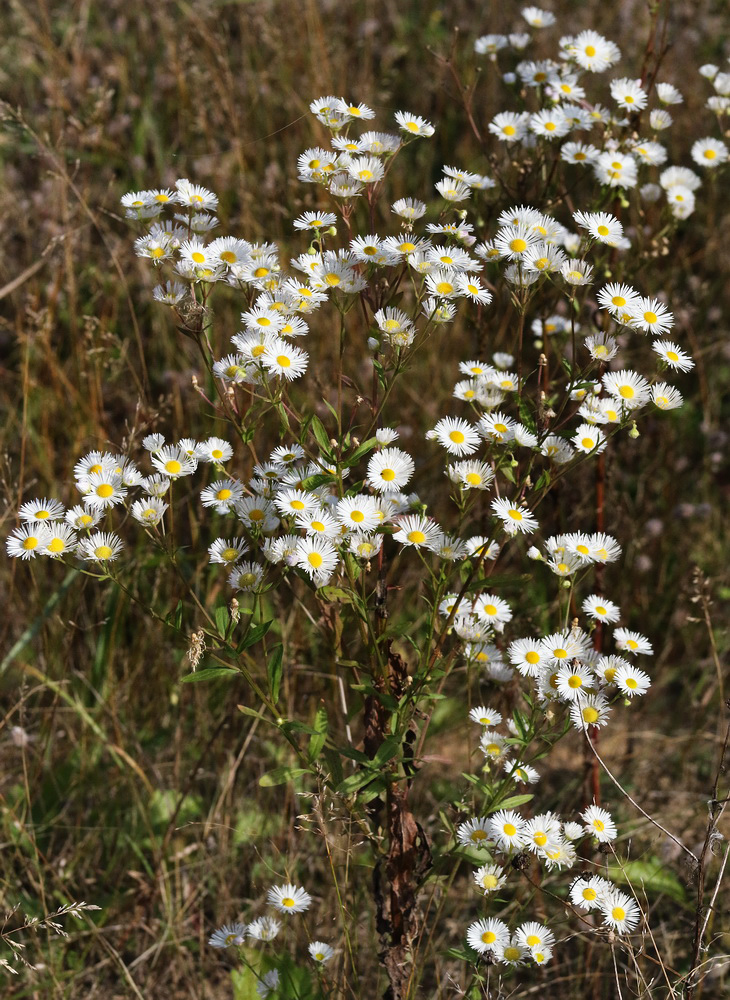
209 674
222 620
253 635
355 782
274 669
316 742
512 802
280 776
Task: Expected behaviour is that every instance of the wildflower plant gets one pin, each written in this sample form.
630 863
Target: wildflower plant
542 236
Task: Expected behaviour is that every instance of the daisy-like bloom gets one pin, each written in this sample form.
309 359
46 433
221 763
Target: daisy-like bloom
83 518
572 680
512 953
632 642
512 242
284 359
487 935
222 495
409 208
263 929
173 462
537 18
102 546
319 522
489 44
390 470
561 647
529 656
598 823
195 196
544 258
417 531
628 94
665 396
489 878
556 449
589 892
578 152
453 190
149 511
364 546
247 577
681 201
287 454
509 127
618 298
358 513
262 318
507 829
629 388
550 123
413 124
471 474
589 439
227 551
652 316
41 510
709 153
593 52
458 436
215 449
521 772
103 489
602 346
652 153
558 854
289 898
257 514
540 831
268 984
606 666
534 935
317 557
492 611
515 517
481 547
320 952
673 355
601 225
616 169
601 609
565 564
668 94
228 936
577 272
474 832
485 716
379 143
631 681
590 710
492 744
296 501
620 912
366 169
29 540
393 321
497 426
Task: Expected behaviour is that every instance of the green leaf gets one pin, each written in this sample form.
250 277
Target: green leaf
175 617
335 594
280 776
320 479
508 473
652 874
321 437
511 803
317 742
526 415
222 620
387 750
355 782
253 635
274 671
363 449
334 764
209 674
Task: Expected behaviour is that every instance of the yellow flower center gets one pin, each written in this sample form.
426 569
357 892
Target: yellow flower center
589 893
287 901
540 839
587 443
627 392
457 437
173 466
388 475
631 682
357 516
590 715
650 317
532 657
407 247
589 51
618 913
478 835
490 609
261 272
599 825
314 559
575 681
198 257
229 554
509 829
444 288
550 126
489 937
256 515
515 515
224 494
512 954
560 653
532 940
490 881
603 230
709 154
518 245
416 537
509 130
102 552
672 356
473 478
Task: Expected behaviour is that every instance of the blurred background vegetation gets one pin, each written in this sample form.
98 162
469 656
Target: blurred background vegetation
118 785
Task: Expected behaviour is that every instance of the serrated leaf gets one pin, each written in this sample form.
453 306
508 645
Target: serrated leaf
274 669
280 776
209 674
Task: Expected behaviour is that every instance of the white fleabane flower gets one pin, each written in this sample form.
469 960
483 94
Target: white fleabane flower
320 951
289 898
709 153
458 436
628 94
390 470
515 517
599 824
